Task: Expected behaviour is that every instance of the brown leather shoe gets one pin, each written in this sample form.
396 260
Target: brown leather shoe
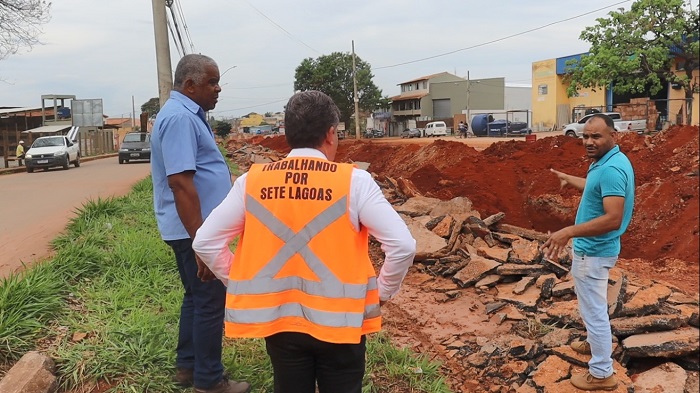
582 347
586 381
184 377
226 386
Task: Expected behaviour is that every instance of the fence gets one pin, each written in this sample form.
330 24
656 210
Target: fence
92 142
659 114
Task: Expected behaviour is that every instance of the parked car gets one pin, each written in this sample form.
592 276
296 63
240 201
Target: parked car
436 128
411 133
52 151
135 146
576 129
374 133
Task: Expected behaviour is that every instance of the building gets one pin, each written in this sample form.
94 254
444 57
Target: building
444 96
552 107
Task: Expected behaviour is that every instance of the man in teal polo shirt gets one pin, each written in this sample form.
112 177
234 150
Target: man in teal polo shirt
603 215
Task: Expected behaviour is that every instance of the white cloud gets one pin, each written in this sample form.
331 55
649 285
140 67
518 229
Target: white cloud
106 49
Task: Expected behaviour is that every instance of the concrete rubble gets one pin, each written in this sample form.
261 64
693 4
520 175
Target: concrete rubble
649 319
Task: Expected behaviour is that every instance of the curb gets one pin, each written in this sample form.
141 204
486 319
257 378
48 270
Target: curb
5 171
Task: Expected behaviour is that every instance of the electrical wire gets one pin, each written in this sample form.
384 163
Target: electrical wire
177 30
252 106
184 26
172 34
280 27
258 87
500 39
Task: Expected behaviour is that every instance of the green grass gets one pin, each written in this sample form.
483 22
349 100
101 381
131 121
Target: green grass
106 308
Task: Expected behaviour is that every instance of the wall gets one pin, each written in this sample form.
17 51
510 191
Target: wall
518 97
553 110
676 106
485 93
253 119
544 104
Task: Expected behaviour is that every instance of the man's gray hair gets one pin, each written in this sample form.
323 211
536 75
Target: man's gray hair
191 67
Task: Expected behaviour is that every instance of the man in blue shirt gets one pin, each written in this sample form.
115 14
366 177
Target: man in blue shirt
191 178
603 215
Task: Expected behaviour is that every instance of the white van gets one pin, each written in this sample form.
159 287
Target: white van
436 128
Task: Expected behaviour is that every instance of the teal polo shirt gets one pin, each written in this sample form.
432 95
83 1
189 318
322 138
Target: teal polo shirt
612 175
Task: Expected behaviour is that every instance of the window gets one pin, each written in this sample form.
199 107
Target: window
542 90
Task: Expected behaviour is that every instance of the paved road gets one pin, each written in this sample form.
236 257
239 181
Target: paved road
36 207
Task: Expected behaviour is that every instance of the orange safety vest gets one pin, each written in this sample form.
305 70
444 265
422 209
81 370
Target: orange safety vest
300 265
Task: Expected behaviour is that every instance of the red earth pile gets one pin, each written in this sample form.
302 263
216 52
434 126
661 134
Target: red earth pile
513 177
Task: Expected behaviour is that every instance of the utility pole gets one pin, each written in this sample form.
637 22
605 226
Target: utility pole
354 88
133 114
469 87
165 70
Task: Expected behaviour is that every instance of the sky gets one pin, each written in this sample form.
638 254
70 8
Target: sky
106 49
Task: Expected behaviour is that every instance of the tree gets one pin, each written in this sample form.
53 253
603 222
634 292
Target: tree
222 128
268 114
151 106
20 22
636 49
332 74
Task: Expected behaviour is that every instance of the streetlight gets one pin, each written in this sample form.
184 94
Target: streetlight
227 70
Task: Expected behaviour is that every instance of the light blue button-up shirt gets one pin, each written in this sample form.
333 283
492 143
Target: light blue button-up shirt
183 141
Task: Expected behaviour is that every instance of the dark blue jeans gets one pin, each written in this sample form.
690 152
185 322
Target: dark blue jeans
201 319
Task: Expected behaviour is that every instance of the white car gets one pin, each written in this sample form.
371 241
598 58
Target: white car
436 128
52 151
576 129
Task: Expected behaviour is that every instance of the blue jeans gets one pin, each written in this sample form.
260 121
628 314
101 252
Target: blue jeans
591 285
201 320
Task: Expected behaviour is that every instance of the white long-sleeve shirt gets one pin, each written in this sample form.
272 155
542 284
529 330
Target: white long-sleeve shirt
368 208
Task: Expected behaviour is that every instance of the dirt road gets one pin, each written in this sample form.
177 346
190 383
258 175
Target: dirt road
36 207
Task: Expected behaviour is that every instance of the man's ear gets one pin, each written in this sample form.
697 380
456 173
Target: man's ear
330 135
188 85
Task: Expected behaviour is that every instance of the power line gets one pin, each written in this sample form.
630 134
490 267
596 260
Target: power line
502 38
184 25
280 27
249 107
177 29
258 87
172 34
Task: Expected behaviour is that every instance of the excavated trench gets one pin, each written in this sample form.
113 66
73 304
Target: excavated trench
513 177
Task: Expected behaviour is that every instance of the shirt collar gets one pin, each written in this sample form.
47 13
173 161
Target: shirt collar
186 102
307 152
606 157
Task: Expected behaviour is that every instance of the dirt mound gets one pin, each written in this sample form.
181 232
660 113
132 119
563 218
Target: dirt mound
513 177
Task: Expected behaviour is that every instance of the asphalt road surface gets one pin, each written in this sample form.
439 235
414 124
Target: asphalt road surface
36 207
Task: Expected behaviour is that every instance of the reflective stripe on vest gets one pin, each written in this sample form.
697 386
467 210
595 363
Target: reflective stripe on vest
297 243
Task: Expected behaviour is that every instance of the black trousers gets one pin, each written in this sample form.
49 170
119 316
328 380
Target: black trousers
299 361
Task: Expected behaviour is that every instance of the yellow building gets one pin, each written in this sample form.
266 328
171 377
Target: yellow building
551 107
251 120
676 95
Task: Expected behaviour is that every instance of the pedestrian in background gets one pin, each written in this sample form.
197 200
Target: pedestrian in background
301 276
20 153
190 178
603 215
